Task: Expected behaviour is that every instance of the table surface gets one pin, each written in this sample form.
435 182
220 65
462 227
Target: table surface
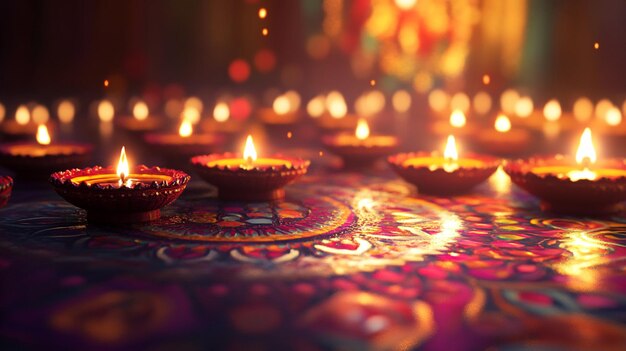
347 261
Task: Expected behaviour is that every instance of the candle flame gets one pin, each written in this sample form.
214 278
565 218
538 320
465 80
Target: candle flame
552 110
122 166
22 115
457 119
140 111
281 105
249 152
586 153
43 137
362 129
221 112
186 129
450 153
502 123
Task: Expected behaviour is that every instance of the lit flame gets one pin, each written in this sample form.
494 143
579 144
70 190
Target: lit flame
106 111
22 115
43 137
249 152
315 108
336 105
524 107
66 111
586 153
191 114
281 105
502 124
405 4
141 111
40 114
185 129
362 129
221 112
613 116
122 166
585 156
457 119
552 110
451 155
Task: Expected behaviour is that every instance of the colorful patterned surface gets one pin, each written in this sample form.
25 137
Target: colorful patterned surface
346 262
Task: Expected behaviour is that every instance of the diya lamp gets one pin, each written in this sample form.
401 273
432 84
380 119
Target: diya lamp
249 177
141 120
449 174
120 195
20 127
38 160
360 148
184 144
6 185
580 186
503 140
336 117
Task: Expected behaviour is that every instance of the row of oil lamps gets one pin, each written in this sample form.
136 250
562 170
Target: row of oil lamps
582 185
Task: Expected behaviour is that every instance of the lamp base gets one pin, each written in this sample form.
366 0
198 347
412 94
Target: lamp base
116 218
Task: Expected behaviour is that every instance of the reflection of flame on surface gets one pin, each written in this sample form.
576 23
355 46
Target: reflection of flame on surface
362 129
185 129
500 181
249 151
43 137
586 254
123 170
502 124
457 119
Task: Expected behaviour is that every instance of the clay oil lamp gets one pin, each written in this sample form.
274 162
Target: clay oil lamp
579 186
336 117
456 124
445 175
20 127
37 160
360 149
120 195
503 140
141 120
6 185
184 144
249 178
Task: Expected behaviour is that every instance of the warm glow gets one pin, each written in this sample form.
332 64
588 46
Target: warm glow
185 129
482 102
583 109
508 99
43 137
22 115
601 107
405 4
438 100
401 101
40 114
315 108
460 101
194 102
457 119
294 99
450 152
123 170
141 111
502 124
221 112
586 153
362 129
281 105
249 152
486 79
191 114
66 111
106 111
613 116
336 105
552 110
524 107
2 112
262 12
